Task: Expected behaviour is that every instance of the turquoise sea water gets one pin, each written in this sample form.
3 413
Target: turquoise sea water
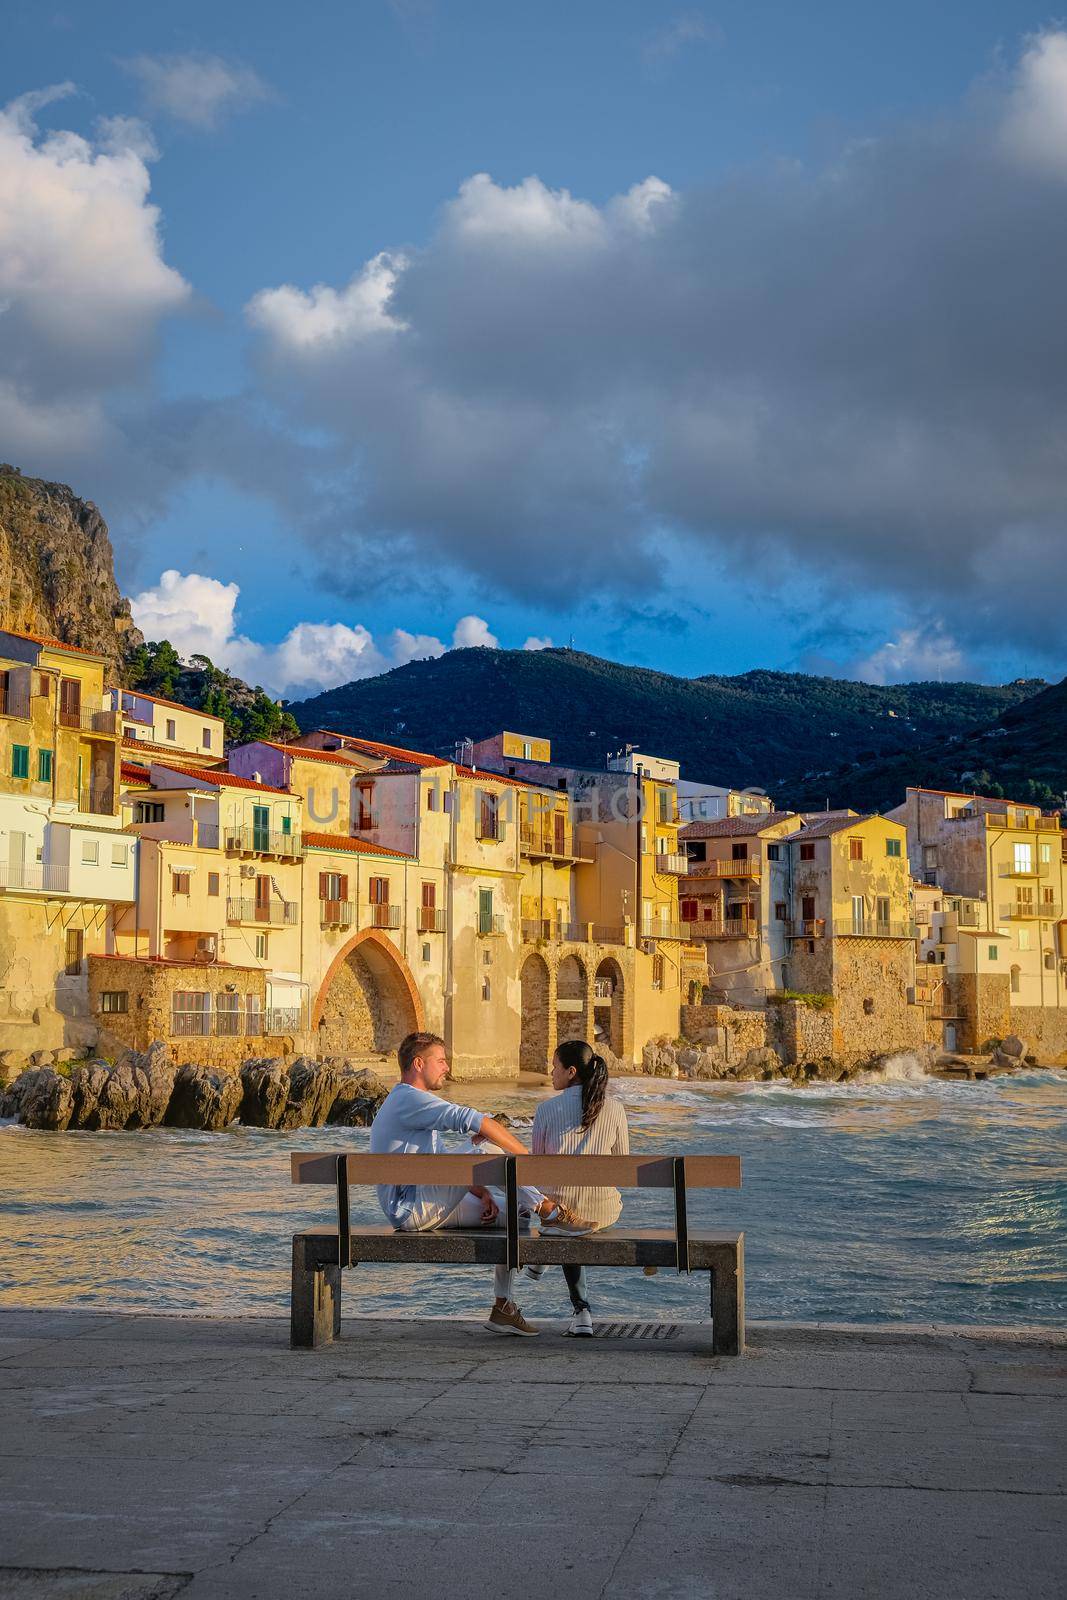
911 1200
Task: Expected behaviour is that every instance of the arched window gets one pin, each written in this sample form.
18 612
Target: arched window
1016 976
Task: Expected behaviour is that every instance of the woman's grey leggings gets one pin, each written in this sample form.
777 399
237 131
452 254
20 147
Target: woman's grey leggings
576 1286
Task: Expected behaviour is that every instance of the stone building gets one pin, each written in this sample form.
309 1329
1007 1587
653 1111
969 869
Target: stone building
735 900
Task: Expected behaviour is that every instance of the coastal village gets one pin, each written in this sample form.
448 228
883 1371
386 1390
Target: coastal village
320 899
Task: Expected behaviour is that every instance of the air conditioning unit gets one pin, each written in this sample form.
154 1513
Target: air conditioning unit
648 946
206 947
248 872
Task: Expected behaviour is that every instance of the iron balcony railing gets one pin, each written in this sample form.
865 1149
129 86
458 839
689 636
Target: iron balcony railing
91 717
206 834
221 1019
545 928
493 924
264 842
336 913
271 913
726 869
545 840
1024 869
35 877
805 927
873 928
672 861
385 916
661 929
237 1021
285 1019
96 802
14 702
431 920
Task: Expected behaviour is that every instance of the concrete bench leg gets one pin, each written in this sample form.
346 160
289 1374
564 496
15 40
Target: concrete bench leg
315 1306
728 1306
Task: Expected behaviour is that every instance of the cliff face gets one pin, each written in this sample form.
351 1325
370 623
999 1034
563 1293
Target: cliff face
56 569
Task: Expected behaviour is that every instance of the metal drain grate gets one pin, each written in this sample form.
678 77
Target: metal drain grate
635 1330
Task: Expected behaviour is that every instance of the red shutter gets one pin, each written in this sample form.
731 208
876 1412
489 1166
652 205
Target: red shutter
343 881
429 896
324 885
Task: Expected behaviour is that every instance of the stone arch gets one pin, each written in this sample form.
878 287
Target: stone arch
608 1007
535 1041
368 999
573 1019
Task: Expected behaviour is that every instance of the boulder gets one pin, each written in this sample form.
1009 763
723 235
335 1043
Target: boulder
68 1053
659 1060
358 1094
18 1059
1012 1047
264 1091
204 1097
40 1098
41 1058
765 1059
288 1094
134 1093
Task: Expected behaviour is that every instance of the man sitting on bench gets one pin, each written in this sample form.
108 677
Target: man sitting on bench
410 1121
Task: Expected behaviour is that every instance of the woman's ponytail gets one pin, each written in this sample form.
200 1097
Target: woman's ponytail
591 1072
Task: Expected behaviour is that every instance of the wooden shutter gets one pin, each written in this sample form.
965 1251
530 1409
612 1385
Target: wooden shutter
342 883
429 896
324 885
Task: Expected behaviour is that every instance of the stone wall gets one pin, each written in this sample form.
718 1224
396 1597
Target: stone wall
983 1001
805 1034
1043 1030
149 987
870 983
41 1006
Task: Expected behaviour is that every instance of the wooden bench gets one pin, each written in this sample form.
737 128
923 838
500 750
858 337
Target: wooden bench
320 1256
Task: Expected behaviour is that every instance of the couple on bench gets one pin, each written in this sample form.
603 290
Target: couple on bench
579 1119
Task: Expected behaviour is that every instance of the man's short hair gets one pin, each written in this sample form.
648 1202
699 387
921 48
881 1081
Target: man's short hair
416 1044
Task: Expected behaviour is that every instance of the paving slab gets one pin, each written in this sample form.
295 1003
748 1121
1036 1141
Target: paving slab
147 1457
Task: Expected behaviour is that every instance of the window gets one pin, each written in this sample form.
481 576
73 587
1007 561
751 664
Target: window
378 889
75 951
227 1013
487 989
431 797
90 852
807 851
488 815
1016 979
116 1002
657 971
366 801
690 910
287 826
807 908
43 683
663 802
149 811
20 760
181 882
739 852
485 910
206 738
994 952
882 910
773 852
781 911
892 847
1045 852
426 952
334 886
253 1013
1024 939
1047 893
213 883
261 947
190 1012
120 855
446 800
172 731
855 849
44 766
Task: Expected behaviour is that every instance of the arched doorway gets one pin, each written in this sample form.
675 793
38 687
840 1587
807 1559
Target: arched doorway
571 999
534 1030
367 1001
607 1005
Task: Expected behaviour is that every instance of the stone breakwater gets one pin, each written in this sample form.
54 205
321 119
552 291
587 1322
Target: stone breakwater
146 1090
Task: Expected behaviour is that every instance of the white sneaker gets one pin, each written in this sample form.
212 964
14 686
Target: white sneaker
581 1325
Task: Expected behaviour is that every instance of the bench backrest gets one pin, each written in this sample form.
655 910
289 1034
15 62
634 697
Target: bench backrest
679 1172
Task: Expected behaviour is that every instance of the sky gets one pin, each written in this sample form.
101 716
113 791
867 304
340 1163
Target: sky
707 337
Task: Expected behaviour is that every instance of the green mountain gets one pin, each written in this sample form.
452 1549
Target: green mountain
803 739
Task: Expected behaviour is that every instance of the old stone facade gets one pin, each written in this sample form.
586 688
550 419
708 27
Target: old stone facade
135 1002
1043 1032
576 991
871 982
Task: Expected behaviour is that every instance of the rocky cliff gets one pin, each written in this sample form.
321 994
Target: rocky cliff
56 569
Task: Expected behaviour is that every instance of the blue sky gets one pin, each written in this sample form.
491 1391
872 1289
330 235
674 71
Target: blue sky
759 415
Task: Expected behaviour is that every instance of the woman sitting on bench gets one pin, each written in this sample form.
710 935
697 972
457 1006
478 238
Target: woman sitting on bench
580 1119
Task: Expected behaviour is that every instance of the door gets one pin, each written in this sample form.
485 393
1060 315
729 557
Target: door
429 907
260 828
950 1036
262 898
70 702
559 827
485 910
16 861
859 913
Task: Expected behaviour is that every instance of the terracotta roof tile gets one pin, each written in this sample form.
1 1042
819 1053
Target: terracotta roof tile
344 841
157 700
134 772
131 743
308 753
218 779
832 825
374 747
52 644
732 827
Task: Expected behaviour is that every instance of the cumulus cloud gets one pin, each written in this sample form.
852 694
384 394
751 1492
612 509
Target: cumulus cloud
83 283
688 28
197 90
534 643
917 655
859 367
198 614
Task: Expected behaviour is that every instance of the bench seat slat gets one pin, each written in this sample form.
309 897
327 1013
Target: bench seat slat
622 1247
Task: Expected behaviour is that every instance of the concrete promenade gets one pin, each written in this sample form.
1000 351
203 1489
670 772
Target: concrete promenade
160 1456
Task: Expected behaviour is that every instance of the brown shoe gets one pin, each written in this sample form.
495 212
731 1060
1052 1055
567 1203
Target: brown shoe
564 1220
509 1319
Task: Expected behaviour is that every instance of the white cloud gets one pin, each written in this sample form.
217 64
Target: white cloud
83 283
471 632
323 316
534 643
915 656
1035 123
687 29
198 614
198 90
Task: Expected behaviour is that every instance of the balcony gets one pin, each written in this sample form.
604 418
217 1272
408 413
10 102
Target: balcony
91 717
536 929
1030 911
547 842
14 702
805 927
661 929
724 928
431 920
336 913
849 928
35 877
206 835
285 1019
1032 869
672 861
264 842
385 916
491 925
96 802
271 913
748 869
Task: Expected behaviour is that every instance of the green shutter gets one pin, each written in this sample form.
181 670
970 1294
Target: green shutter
44 766
485 910
20 760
